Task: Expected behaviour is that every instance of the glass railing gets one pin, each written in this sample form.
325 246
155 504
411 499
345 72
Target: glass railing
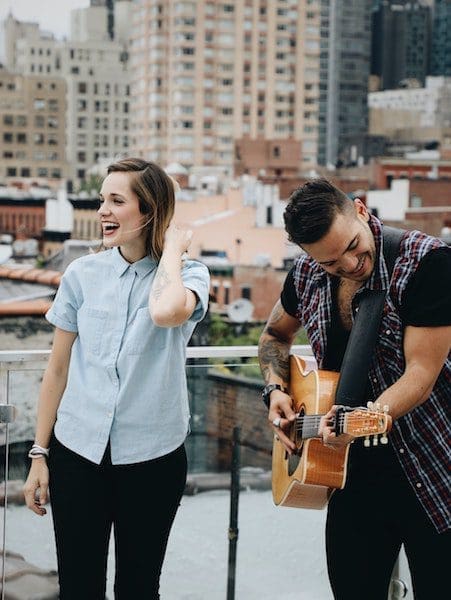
227 541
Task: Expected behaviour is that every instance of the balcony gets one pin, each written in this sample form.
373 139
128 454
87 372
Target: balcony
277 549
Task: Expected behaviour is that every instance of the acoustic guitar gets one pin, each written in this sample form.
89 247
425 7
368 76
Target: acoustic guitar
307 478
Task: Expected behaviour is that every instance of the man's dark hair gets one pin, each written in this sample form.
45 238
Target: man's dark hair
312 209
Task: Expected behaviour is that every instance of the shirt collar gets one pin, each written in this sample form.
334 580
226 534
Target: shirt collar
141 267
379 279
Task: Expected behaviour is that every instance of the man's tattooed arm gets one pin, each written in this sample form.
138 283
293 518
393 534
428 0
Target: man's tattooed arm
275 344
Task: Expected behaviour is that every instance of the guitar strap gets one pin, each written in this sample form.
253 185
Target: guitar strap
353 379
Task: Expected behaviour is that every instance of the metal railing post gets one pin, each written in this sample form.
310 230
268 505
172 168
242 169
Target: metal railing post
233 521
7 415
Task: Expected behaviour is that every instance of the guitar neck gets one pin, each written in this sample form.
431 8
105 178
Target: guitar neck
308 425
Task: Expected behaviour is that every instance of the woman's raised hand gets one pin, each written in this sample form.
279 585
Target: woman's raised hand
177 237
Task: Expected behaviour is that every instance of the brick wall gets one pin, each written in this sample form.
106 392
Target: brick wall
231 401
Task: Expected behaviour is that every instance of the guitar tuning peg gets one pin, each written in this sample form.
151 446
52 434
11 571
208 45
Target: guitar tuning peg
385 409
370 405
384 439
378 407
375 440
366 441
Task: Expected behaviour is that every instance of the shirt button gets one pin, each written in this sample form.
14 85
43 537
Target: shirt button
401 451
388 332
374 379
419 485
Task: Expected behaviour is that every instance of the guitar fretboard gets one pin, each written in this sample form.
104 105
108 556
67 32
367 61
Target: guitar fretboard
307 425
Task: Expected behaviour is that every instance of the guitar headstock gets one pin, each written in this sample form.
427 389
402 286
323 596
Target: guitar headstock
368 422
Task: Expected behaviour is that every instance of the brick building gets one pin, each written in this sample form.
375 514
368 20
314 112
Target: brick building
25 216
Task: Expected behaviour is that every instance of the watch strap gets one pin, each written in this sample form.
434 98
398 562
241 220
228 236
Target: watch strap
266 393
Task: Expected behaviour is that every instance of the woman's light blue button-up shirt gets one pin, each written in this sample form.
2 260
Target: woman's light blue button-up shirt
126 380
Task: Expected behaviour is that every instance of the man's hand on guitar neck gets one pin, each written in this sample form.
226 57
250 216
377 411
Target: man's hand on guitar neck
327 431
281 412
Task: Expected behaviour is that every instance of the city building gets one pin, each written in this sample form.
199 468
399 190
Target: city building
441 39
207 73
22 215
401 34
267 157
32 127
415 117
95 69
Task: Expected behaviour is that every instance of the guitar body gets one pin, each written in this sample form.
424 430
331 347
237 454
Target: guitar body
308 478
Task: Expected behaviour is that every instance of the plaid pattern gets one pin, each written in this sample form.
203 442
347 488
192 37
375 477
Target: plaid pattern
422 437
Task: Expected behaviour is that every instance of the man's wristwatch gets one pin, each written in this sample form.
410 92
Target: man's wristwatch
266 393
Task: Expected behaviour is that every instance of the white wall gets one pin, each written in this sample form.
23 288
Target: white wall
391 204
59 213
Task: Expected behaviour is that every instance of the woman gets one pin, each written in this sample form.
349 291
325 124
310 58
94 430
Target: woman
113 409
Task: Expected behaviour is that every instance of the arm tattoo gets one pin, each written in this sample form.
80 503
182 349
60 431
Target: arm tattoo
274 359
274 348
276 314
160 282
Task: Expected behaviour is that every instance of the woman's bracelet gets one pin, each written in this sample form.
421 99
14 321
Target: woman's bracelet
38 451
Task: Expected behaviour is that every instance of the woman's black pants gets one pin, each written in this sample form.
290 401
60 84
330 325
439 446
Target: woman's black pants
139 500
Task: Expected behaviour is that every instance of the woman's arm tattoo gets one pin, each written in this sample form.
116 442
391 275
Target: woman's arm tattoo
160 282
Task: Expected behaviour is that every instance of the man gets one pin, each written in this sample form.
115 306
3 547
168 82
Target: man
399 493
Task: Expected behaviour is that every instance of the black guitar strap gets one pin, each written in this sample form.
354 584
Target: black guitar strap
352 384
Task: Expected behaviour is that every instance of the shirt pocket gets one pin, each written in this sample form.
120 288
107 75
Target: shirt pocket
91 328
144 335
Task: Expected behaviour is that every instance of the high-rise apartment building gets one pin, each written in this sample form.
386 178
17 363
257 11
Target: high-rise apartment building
400 42
441 39
95 69
210 72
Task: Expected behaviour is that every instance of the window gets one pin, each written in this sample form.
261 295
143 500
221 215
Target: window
246 292
38 139
82 87
7 119
8 138
39 104
21 138
11 172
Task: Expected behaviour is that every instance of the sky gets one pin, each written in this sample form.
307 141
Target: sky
51 16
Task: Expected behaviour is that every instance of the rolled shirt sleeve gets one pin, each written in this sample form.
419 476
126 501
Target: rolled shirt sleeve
196 277
63 312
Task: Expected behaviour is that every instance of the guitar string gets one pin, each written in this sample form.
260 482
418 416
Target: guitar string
314 420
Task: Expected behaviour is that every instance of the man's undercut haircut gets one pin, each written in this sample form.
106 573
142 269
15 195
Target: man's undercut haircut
311 210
